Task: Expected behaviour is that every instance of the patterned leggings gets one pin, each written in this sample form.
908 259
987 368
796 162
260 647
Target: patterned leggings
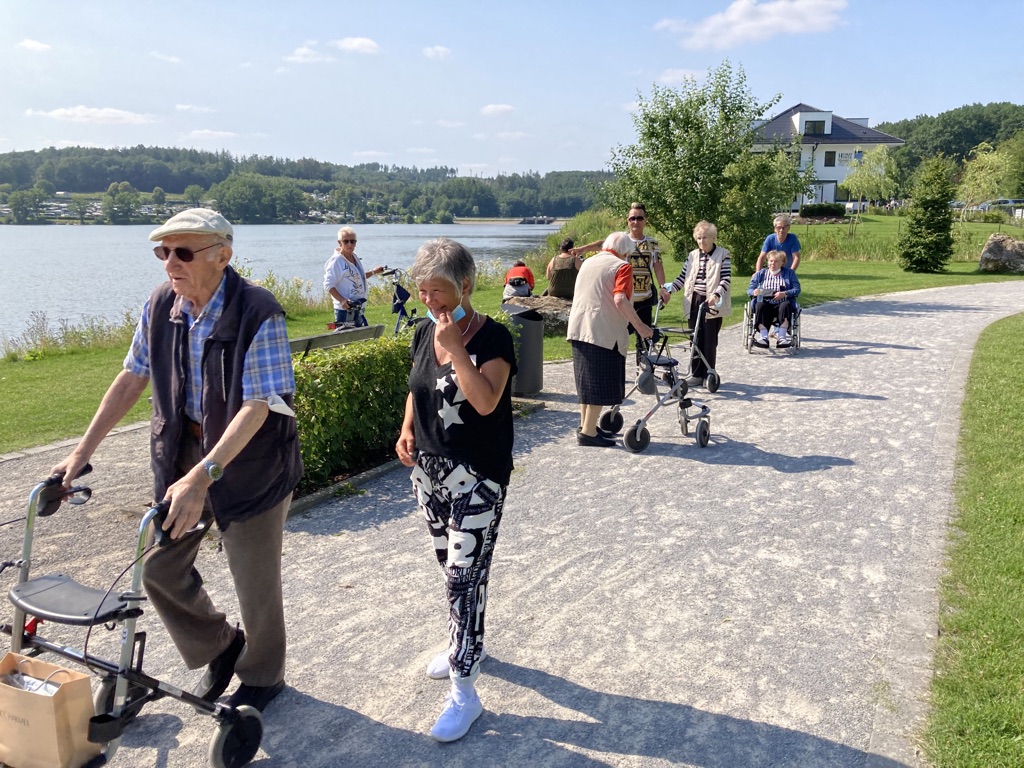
463 511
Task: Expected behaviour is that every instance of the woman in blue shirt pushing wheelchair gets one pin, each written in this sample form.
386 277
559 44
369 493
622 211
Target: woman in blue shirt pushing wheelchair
774 290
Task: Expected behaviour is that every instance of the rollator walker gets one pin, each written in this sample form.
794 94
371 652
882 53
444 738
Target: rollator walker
658 374
124 688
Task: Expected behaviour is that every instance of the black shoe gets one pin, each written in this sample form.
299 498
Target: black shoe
600 432
597 441
254 695
757 341
784 343
220 671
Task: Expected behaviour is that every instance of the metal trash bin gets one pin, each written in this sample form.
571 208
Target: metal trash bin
529 350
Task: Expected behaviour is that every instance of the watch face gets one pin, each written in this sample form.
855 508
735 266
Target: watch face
214 470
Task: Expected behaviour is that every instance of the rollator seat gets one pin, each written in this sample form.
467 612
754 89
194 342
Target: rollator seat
62 600
663 360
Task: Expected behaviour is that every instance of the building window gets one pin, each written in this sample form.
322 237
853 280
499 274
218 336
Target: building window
830 159
814 126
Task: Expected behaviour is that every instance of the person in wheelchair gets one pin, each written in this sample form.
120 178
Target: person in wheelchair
774 290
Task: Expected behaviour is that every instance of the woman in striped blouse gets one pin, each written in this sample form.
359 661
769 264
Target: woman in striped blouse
705 279
776 289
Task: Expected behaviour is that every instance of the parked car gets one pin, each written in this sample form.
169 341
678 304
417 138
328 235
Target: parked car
1002 204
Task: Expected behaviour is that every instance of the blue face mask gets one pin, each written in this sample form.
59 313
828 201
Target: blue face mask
457 315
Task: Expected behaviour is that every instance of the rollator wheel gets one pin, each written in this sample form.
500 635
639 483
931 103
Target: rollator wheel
636 438
103 700
236 743
611 421
712 382
703 433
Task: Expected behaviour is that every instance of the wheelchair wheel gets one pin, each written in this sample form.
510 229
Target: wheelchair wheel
611 421
103 700
748 330
712 382
636 438
236 743
703 433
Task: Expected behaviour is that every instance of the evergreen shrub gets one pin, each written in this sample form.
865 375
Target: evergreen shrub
926 243
349 404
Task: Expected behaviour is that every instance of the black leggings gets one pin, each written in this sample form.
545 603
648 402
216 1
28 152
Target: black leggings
706 339
769 314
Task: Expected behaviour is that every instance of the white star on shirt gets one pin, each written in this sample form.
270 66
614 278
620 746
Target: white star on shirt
449 414
442 384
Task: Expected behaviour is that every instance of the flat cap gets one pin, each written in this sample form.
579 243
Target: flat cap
194 221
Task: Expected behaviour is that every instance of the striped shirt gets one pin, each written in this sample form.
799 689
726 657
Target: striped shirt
700 287
268 362
771 285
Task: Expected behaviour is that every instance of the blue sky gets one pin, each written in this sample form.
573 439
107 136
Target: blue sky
485 87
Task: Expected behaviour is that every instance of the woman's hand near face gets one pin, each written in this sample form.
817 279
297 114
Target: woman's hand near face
447 333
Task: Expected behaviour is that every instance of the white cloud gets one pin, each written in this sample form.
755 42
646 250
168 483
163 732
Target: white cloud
165 57
497 109
97 115
511 135
677 76
449 123
206 133
308 54
750 21
34 45
356 45
370 154
191 108
437 52
420 151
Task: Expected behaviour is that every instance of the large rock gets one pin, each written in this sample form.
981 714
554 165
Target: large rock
1002 254
555 312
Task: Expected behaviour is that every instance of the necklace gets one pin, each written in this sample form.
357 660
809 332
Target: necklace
470 324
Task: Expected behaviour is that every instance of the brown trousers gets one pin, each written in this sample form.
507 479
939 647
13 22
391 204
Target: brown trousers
197 628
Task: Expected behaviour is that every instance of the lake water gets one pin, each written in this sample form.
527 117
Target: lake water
73 273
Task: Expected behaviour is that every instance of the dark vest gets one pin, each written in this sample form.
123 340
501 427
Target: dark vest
270 466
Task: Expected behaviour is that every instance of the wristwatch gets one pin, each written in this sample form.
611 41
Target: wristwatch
213 470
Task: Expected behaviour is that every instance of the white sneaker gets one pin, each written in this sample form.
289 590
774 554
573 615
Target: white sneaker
438 667
455 719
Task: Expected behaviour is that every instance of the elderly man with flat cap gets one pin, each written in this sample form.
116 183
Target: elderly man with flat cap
214 349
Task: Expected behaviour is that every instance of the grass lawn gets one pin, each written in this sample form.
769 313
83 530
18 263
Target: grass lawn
977 714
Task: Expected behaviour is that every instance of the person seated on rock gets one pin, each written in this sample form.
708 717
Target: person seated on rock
562 271
774 290
518 281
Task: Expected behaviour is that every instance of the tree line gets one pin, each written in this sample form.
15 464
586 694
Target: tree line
260 189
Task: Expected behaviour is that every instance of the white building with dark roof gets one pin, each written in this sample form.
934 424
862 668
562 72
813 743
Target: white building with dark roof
829 143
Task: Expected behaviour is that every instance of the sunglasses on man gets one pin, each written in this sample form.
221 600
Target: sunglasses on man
636 218
185 255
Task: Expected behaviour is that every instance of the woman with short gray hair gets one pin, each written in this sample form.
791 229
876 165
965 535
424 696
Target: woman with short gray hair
457 436
781 240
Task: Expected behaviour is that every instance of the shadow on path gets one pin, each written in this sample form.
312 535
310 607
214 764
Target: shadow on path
754 392
669 732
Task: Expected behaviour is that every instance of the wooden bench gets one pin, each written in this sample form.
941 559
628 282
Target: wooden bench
334 339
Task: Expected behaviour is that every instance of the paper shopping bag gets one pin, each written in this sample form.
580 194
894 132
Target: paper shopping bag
44 715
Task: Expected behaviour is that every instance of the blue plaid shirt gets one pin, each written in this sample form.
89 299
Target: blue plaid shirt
268 362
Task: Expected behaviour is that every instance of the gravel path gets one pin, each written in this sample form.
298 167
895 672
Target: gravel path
769 600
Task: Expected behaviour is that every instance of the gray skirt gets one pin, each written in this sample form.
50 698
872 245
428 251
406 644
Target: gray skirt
600 374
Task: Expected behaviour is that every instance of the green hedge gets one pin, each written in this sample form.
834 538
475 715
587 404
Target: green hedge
822 209
349 404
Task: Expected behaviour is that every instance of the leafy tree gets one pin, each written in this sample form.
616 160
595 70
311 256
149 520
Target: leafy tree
5 190
1013 150
159 196
985 174
194 195
759 184
46 187
686 141
873 178
926 243
80 207
25 205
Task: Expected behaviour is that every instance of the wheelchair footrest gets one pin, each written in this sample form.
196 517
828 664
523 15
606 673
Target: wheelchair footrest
62 600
